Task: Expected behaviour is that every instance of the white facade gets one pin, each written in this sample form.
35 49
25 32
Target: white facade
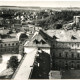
28 49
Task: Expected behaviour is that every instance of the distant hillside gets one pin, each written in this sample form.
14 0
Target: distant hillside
19 8
40 8
62 8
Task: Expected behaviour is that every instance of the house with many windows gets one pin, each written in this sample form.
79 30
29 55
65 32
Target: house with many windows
65 51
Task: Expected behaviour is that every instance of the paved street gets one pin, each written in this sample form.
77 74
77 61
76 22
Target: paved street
23 72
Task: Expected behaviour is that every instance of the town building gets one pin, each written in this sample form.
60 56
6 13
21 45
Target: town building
37 41
65 51
9 45
63 47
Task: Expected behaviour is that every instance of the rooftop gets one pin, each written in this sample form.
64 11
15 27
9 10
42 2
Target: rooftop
10 39
37 41
65 36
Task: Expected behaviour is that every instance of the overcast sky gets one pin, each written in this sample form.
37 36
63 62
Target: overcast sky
41 3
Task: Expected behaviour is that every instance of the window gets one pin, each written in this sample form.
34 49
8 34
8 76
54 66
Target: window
73 37
59 54
66 54
9 49
77 45
5 44
1 50
78 55
72 65
5 49
16 43
72 55
72 45
60 63
13 44
9 44
78 66
1 45
36 41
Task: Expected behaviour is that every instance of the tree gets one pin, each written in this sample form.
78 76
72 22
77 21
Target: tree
13 63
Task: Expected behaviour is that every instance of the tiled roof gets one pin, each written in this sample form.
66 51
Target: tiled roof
65 36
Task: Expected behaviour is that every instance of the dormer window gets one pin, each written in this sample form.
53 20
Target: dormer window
54 37
42 41
73 37
36 41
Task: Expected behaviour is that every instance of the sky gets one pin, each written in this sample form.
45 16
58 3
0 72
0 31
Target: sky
39 3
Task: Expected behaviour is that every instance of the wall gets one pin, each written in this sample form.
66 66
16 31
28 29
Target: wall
47 50
9 47
66 53
28 49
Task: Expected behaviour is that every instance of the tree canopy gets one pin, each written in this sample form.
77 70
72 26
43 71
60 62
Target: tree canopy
13 62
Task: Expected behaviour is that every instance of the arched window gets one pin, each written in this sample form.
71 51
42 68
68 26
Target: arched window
9 44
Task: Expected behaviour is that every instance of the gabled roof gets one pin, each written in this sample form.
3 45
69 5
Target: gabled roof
37 41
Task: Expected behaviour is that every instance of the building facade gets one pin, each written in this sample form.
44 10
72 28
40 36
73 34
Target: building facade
66 55
9 47
65 50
